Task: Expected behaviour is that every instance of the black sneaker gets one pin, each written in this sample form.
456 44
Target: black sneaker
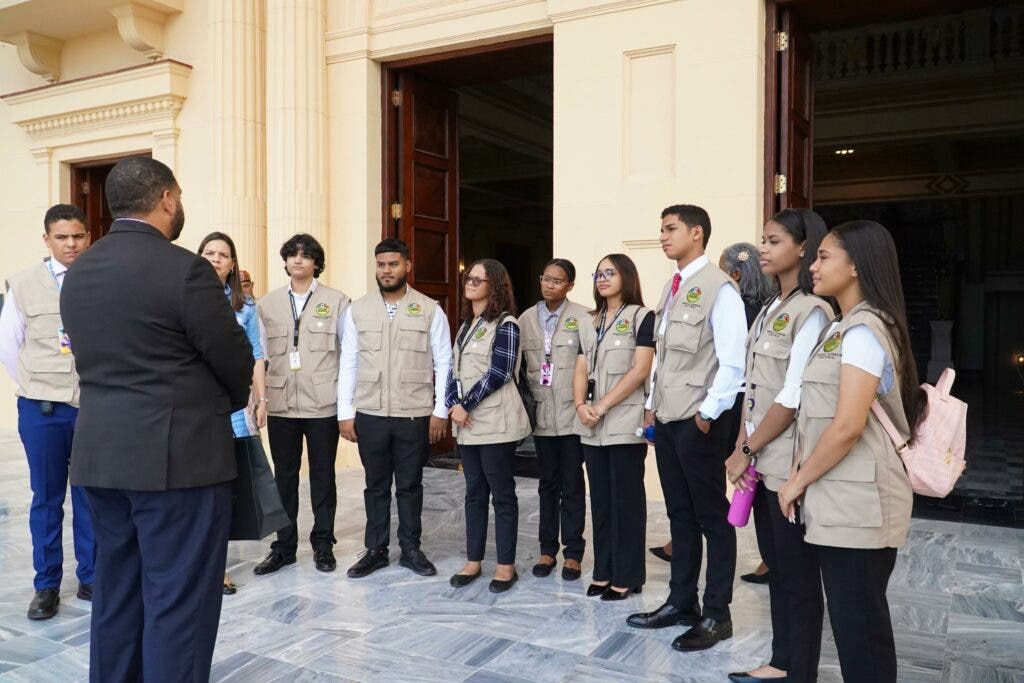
324 559
418 562
44 604
369 562
272 562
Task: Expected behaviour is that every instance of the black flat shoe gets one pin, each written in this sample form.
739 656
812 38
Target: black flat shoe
324 560
84 592
744 677
665 616
230 589
369 562
541 570
569 574
500 586
708 633
612 594
44 604
272 562
660 553
594 590
755 578
463 580
418 563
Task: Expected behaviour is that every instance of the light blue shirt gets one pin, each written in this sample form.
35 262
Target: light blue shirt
248 320
548 321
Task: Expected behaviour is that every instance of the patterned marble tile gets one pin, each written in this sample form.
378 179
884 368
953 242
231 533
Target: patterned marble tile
249 668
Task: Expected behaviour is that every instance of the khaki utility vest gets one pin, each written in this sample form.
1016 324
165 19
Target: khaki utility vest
616 355
555 407
395 367
686 352
768 356
44 373
500 417
866 499
312 390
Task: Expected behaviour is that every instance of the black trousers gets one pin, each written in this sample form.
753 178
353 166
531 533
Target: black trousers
794 589
691 465
321 434
159 571
618 510
490 479
393 448
563 495
855 583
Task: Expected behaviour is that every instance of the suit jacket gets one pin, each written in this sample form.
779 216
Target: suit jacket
162 362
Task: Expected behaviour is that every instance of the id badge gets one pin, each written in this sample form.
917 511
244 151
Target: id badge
293 361
545 374
64 340
458 389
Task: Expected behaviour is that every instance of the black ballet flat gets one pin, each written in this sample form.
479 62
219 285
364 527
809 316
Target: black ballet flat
594 590
463 580
612 594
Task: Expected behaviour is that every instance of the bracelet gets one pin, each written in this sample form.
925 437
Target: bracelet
581 403
263 399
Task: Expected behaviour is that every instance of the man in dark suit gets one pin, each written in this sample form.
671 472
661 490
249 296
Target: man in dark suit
162 365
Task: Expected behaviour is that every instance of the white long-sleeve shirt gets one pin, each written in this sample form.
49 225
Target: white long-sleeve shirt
441 347
12 324
728 324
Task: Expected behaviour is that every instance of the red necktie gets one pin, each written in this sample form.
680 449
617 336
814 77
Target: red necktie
676 279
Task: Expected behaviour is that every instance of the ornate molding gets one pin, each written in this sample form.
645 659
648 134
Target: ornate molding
38 53
151 109
141 27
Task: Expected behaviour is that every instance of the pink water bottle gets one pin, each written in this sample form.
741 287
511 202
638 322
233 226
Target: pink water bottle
742 501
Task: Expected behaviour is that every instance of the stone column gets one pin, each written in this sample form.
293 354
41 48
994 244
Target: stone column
238 47
296 125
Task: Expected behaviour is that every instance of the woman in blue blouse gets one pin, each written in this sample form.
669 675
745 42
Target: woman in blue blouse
219 250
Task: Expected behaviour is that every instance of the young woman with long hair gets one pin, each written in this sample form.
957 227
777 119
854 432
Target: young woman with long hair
488 418
855 494
612 369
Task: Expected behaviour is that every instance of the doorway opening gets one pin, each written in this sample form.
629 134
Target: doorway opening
88 179
909 116
468 166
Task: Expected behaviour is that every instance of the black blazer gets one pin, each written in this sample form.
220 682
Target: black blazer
162 363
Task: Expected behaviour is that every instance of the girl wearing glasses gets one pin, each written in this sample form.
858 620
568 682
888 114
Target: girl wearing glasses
551 332
488 418
609 387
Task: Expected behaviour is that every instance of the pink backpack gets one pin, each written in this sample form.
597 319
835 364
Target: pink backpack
934 457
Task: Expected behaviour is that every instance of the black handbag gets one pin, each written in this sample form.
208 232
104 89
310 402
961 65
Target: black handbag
256 509
526 394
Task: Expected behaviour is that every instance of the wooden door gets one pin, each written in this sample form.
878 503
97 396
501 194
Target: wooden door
794 113
87 183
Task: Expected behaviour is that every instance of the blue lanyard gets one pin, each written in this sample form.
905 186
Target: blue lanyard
49 266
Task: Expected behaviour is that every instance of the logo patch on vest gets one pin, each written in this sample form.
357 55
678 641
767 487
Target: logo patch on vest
480 333
414 309
780 323
833 342
322 310
572 324
694 295
622 326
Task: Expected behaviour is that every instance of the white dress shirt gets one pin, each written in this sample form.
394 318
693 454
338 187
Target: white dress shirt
12 324
728 324
440 345
300 304
862 349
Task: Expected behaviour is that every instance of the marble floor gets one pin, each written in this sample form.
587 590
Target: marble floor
956 595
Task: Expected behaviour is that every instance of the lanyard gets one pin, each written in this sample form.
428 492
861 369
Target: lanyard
602 330
463 341
549 337
49 266
296 314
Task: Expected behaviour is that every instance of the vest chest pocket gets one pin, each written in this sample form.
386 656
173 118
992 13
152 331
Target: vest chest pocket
42 320
417 388
683 330
770 367
323 333
277 399
615 361
277 340
412 334
566 348
368 389
533 354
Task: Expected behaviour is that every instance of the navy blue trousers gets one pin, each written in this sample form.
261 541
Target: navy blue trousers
160 559
47 441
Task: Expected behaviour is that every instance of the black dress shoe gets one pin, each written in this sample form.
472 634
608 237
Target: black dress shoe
324 560
595 589
418 562
704 635
463 580
541 570
369 562
570 574
754 577
660 553
230 589
612 594
84 591
44 604
664 616
499 586
272 562
744 677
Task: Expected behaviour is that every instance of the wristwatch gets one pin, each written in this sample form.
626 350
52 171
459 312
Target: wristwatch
746 449
704 417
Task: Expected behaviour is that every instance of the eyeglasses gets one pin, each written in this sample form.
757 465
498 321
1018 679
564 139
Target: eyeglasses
556 281
475 281
245 282
606 274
